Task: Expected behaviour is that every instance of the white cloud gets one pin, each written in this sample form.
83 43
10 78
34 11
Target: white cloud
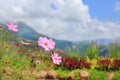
18 10
117 6
70 20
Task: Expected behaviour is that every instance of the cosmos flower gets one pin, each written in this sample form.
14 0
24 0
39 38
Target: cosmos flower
56 59
25 43
16 44
61 51
12 26
47 44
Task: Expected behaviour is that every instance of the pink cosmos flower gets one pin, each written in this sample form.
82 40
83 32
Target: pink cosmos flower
12 26
47 44
25 43
56 59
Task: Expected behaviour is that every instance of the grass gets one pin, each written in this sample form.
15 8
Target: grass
94 74
16 65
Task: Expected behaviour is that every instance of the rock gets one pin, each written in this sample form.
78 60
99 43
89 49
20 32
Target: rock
37 61
84 75
31 71
71 76
41 74
52 74
61 78
110 75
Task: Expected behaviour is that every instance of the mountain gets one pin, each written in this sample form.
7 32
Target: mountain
26 32
103 41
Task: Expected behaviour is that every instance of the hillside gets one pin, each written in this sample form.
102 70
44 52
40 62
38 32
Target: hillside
26 32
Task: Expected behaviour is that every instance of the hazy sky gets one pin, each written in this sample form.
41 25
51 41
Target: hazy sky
66 19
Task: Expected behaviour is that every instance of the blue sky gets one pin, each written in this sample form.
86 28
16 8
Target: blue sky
103 10
72 20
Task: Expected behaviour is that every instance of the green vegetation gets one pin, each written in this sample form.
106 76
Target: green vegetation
92 52
31 62
114 50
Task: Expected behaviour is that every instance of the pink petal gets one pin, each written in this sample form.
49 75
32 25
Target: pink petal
25 43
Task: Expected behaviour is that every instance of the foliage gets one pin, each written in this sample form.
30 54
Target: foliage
104 64
84 64
24 62
114 50
116 64
70 63
94 74
92 52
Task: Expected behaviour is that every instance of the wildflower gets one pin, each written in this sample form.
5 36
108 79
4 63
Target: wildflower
12 26
16 44
61 51
47 44
25 43
56 59
20 51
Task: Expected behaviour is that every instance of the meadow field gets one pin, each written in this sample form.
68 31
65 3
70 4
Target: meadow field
22 59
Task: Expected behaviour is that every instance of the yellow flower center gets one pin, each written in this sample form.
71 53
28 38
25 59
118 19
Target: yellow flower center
55 58
46 43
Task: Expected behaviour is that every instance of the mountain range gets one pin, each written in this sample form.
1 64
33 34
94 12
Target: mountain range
27 32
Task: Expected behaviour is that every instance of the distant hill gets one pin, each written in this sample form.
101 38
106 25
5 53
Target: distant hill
26 32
